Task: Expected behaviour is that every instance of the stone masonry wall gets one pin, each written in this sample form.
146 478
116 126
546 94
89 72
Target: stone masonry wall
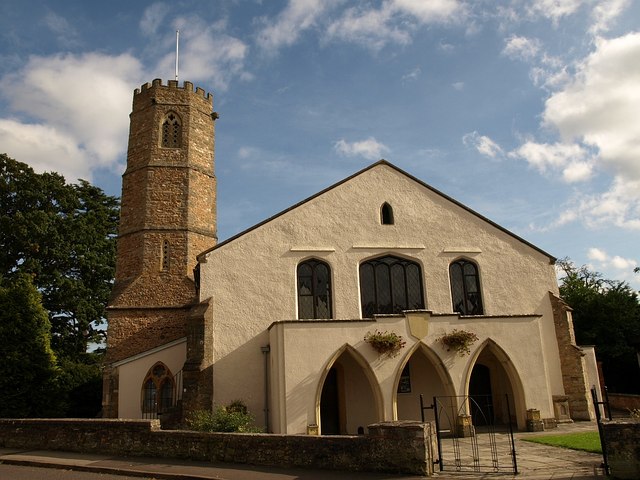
574 376
622 441
624 401
399 447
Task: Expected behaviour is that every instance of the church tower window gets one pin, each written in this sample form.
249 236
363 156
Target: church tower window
164 255
171 131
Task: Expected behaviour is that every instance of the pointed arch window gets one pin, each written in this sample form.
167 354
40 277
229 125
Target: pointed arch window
465 288
390 284
171 131
386 214
158 391
314 289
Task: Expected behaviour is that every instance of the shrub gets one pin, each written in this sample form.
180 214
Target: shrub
234 417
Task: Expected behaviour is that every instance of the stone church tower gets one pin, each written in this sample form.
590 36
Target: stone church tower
168 216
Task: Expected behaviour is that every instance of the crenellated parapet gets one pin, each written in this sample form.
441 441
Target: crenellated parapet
172 85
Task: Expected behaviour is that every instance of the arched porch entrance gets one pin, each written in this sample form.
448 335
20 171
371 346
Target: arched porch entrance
493 381
349 398
421 373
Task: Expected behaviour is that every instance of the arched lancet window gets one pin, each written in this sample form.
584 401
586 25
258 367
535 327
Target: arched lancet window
465 288
386 214
171 131
390 285
158 390
314 289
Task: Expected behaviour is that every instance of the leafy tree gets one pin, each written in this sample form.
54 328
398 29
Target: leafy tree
64 236
28 369
606 313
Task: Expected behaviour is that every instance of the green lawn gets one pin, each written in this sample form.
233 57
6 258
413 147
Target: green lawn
589 441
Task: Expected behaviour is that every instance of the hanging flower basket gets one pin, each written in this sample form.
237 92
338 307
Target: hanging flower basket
387 343
459 341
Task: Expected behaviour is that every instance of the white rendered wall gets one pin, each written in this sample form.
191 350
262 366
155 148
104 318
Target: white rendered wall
133 371
252 281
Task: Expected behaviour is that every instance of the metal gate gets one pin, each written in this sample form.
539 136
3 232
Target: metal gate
469 439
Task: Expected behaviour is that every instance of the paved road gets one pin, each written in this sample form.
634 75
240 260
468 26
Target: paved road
14 472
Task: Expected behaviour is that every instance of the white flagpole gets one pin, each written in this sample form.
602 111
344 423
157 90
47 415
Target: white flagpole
177 41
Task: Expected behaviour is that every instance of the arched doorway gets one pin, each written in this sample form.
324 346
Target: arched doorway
422 373
349 399
495 391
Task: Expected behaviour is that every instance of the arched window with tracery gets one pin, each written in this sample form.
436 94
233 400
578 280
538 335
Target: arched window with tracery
390 284
465 288
171 131
158 391
314 289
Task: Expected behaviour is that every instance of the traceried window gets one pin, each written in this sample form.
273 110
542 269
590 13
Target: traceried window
465 288
314 289
157 391
390 285
171 131
386 214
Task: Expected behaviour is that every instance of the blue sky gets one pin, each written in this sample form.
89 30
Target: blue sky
526 111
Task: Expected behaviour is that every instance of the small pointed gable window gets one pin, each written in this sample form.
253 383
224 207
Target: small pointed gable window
386 214
171 131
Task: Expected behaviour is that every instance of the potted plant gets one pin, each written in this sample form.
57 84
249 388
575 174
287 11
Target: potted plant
459 341
387 343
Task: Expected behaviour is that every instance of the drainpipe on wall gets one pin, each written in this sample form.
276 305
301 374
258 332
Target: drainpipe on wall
265 351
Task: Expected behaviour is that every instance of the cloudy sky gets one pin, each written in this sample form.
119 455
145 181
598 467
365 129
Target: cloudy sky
524 110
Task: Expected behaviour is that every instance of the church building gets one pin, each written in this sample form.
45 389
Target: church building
292 315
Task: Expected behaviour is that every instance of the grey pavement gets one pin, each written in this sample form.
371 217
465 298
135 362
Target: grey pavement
535 462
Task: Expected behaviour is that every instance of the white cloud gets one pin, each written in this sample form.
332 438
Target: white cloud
555 9
84 101
521 47
65 33
298 16
432 11
483 144
412 75
370 148
569 158
605 12
152 17
44 149
600 107
207 54
594 111
372 28
604 260
393 22
458 86
595 254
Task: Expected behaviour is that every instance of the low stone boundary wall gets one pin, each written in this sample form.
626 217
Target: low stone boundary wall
624 401
394 447
622 441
